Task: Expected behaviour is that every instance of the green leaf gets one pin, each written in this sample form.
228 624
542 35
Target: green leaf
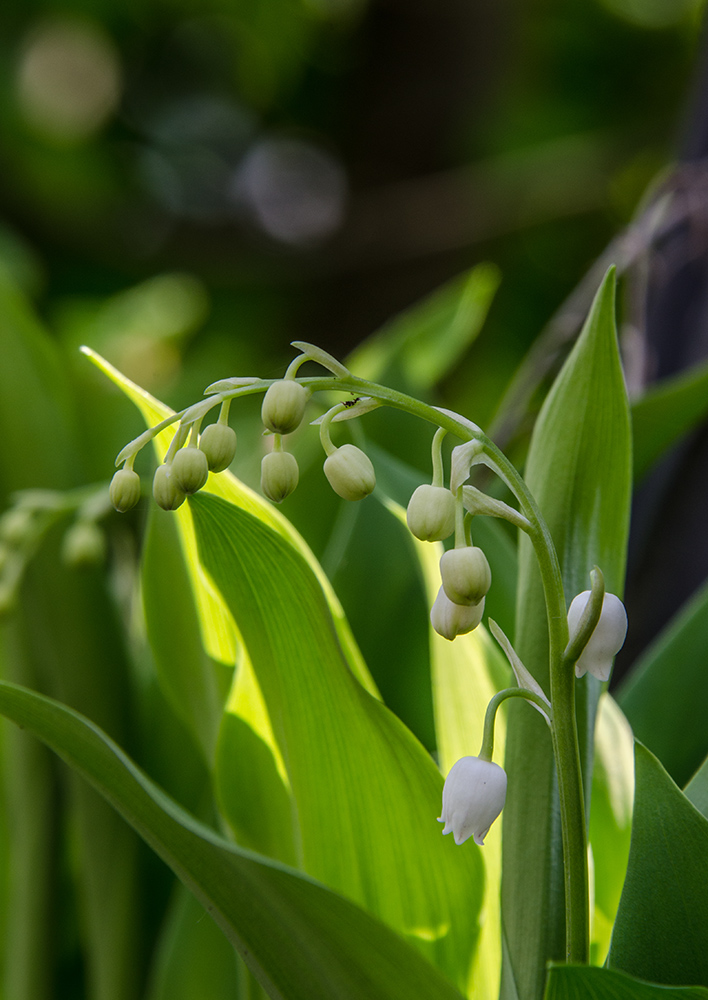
579 471
302 941
193 958
697 789
665 413
366 794
610 819
465 675
665 695
195 685
580 982
425 342
662 924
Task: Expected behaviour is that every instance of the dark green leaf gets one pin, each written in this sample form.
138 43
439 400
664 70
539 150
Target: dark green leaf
578 982
669 410
662 924
666 694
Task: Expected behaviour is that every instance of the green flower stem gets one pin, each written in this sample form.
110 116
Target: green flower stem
436 453
562 679
487 748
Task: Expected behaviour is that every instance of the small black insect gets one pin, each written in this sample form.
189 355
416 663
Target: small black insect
352 402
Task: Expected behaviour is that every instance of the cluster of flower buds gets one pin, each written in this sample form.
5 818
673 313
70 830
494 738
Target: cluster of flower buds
26 523
473 796
433 514
187 464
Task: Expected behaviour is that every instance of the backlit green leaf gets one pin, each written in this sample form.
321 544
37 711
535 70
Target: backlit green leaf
302 941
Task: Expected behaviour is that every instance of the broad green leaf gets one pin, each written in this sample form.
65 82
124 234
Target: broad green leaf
194 684
579 471
366 794
36 444
662 924
665 413
697 789
665 695
580 982
192 958
466 674
426 341
302 941
610 819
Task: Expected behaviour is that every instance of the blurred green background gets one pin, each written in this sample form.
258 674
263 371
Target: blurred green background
189 186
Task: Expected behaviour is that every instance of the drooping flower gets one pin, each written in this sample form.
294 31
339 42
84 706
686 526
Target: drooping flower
431 513
473 796
450 620
607 639
466 576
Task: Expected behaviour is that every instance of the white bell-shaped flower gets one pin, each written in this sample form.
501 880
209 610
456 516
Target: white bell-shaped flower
473 796
450 620
607 639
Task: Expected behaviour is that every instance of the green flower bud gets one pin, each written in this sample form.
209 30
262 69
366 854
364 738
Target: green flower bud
16 526
450 620
218 442
279 475
84 545
431 513
466 576
284 406
166 490
190 469
125 489
350 472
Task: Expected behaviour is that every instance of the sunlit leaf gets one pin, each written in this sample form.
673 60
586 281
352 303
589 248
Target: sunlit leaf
302 941
610 818
365 791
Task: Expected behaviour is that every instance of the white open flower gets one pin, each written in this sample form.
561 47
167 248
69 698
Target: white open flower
607 639
473 796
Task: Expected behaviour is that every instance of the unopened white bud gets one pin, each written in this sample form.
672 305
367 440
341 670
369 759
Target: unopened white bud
218 442
16 526
350 473
473 796
190 469
607 639
279 475
284 406
125 489
84 544
166 489
466 576
431 513
450 620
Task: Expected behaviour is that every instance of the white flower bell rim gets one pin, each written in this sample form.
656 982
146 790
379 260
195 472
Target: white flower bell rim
473 796
607 639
